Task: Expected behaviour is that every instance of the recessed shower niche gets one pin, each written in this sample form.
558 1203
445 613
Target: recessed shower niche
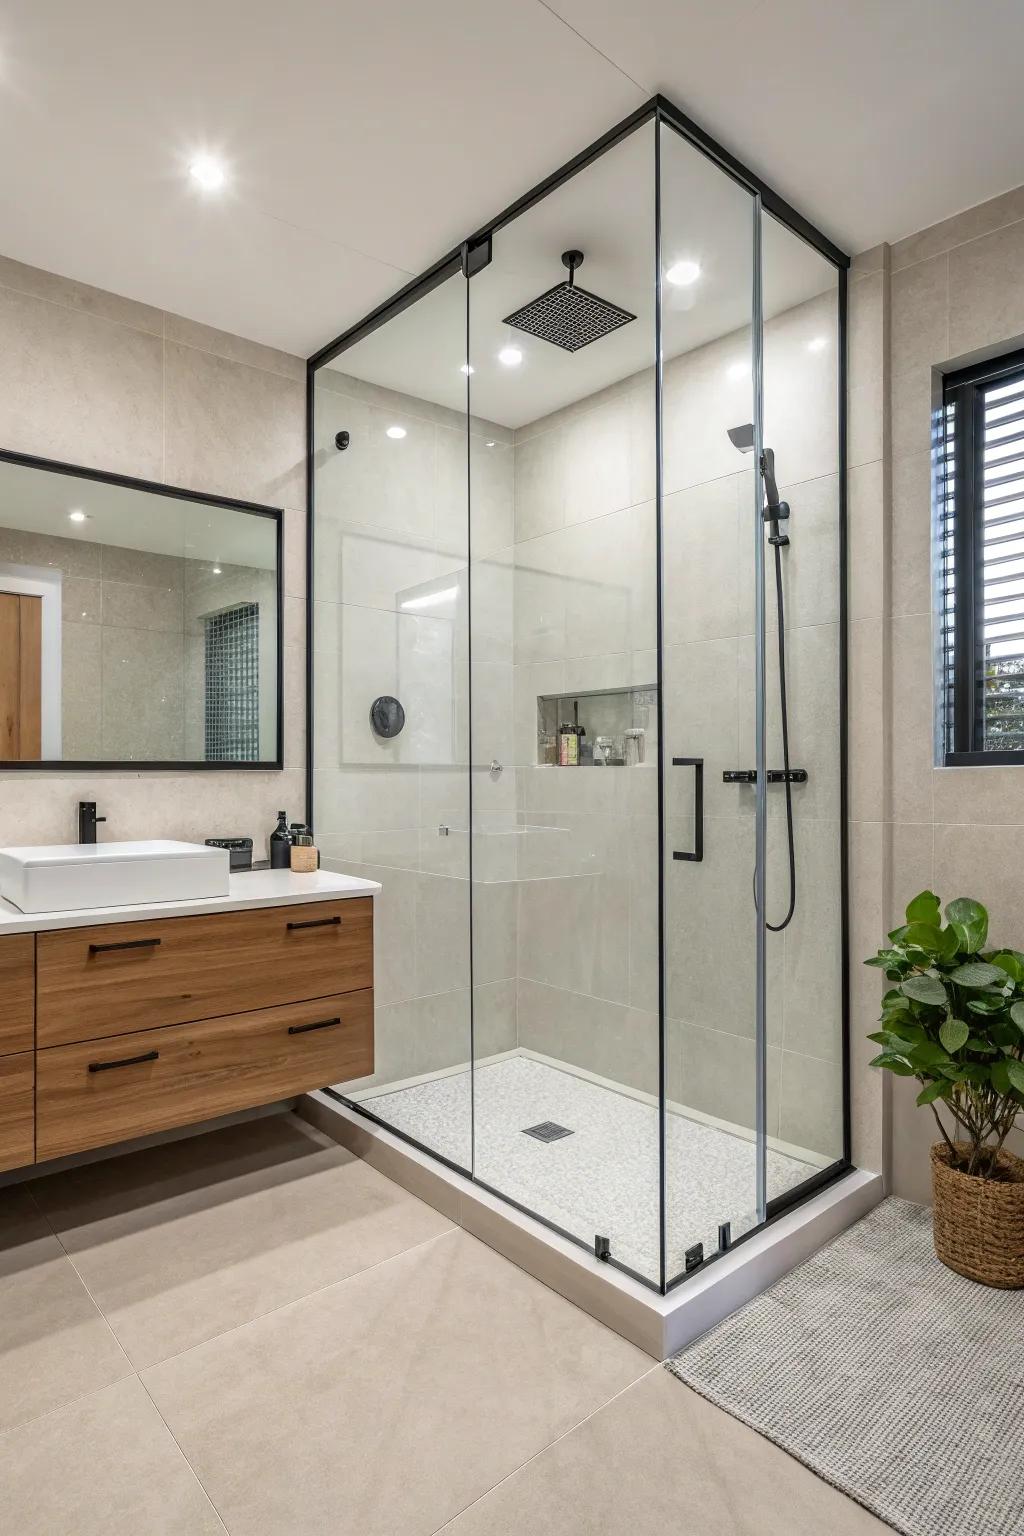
603 728
526 517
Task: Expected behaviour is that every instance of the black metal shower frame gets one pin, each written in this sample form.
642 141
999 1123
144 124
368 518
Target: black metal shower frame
474 252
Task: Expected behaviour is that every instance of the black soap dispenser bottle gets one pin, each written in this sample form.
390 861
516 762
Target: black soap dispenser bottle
281 843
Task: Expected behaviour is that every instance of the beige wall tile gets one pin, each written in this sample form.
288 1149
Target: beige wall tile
983 862
920 315
911 721
233 430
864 422
810 1105
867 724
868 1092
71 295
866 546
988 795
80 388
986 291
913 584
913 402
1008 208
237 349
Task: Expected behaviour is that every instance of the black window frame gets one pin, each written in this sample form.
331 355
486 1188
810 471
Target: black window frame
960 431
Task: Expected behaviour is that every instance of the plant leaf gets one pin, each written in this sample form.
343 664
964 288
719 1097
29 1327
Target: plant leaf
1001 1076
1009 960
970 920
925 989
925 908
1017 1014
954 1033
924 936
893 1064
1015 1072
933 1091
976 973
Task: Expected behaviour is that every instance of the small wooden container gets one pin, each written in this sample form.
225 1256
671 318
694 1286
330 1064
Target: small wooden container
305 855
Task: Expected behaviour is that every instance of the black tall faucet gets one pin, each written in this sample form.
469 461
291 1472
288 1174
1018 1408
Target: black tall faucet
87 820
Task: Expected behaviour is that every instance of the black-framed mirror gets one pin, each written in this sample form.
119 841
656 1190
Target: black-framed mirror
140 624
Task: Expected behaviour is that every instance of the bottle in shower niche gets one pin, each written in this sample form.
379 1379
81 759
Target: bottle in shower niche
281 843
568 745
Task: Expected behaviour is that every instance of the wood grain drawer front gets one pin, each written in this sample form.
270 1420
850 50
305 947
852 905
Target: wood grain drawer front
105 1091
17 1110
17 992
123 977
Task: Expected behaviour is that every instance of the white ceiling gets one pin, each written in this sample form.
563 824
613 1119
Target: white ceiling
607 211
366 139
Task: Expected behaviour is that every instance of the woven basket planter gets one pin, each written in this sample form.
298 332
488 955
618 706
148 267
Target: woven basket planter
979 1223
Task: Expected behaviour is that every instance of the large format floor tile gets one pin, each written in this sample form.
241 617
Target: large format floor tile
103 1466
182 1241
385 1404
54 1345
660 1459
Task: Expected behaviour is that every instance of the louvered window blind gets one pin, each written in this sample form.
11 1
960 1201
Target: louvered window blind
980 456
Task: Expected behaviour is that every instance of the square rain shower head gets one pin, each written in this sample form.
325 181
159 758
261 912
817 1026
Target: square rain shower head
567 316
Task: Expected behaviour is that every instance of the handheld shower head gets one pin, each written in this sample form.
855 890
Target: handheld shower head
771 489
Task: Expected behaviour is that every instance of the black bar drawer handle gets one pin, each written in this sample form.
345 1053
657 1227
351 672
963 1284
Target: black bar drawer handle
100 949
304 1029
126 1061
318 922
697 764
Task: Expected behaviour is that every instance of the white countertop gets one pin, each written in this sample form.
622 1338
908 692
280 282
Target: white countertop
248 888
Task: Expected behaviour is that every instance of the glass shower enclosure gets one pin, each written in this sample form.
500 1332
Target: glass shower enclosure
577 698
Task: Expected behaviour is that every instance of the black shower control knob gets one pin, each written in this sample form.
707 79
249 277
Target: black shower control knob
387 716
342 440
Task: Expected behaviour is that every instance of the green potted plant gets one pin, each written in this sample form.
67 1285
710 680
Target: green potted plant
954 1020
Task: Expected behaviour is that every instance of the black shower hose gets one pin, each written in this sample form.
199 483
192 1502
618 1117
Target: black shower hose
784 707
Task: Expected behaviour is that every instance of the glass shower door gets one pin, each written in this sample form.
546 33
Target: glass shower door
715 987
390 667
563 577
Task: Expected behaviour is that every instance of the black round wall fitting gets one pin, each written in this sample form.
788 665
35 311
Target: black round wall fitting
387 716
342 440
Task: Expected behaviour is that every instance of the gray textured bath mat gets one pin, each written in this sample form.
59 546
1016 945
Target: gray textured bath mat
891 1377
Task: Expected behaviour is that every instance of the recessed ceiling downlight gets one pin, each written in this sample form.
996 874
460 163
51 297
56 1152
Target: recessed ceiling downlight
208 172
76 516
511 356
395 432
683 273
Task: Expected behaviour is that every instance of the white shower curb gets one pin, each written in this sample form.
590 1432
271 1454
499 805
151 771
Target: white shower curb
661 1325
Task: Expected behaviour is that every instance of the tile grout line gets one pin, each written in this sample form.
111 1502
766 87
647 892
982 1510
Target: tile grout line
448 1524
295 1301
199 1482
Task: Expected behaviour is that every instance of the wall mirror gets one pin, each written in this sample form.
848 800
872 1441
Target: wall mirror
140 625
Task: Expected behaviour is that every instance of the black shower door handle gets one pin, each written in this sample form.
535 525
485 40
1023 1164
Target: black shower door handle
697 764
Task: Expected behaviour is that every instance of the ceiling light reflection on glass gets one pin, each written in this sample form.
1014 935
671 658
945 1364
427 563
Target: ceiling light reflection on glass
511 356
395 432
207 172
683 274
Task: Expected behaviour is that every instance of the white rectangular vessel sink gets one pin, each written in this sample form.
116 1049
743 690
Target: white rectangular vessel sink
73 876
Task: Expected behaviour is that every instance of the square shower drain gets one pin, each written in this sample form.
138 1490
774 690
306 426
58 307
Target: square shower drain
548 1130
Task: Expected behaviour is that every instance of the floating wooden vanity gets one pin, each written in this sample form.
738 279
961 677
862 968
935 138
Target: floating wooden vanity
111 1030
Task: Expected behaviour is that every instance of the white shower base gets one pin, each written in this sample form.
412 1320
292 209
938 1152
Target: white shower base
604 1177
